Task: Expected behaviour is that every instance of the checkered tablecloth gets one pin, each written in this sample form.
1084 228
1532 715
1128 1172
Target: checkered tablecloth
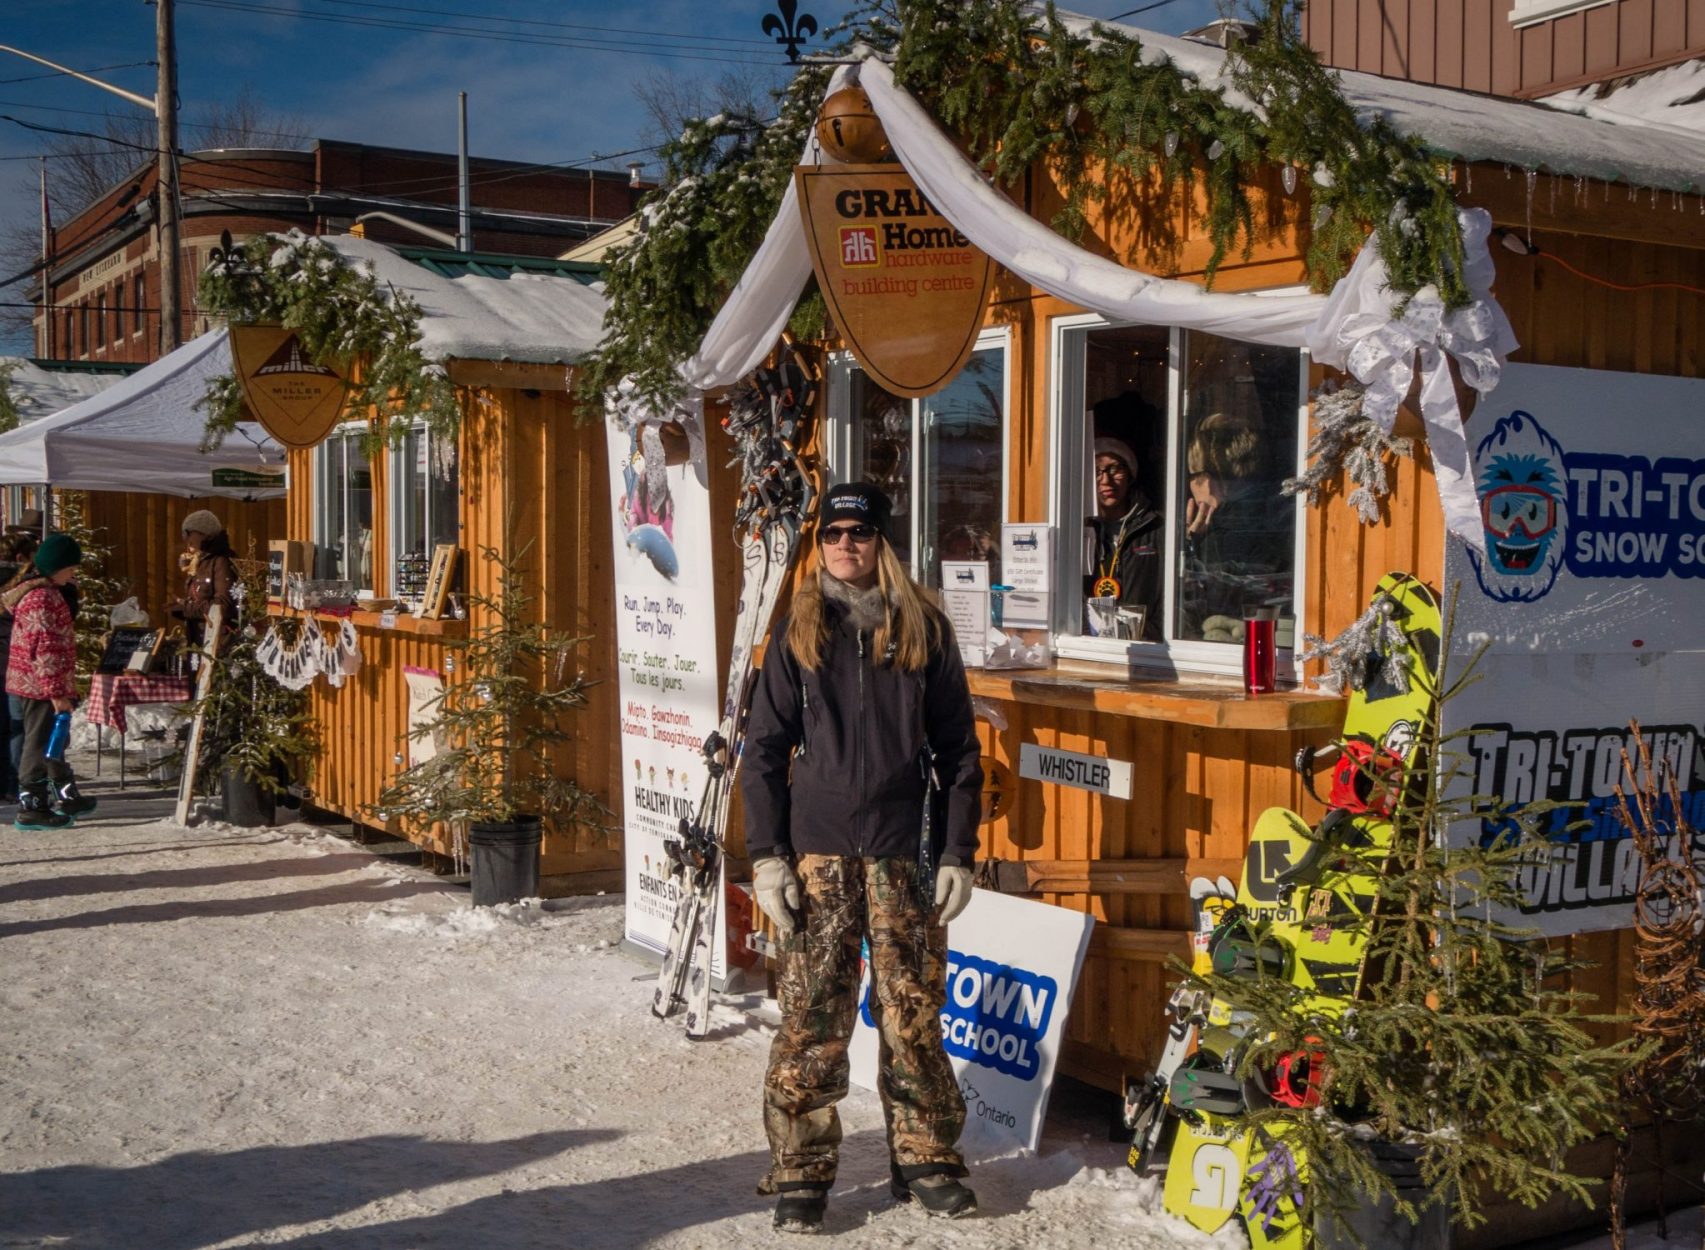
111 693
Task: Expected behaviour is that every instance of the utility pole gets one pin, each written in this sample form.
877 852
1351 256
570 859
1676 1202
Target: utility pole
464 225
166 111
46 267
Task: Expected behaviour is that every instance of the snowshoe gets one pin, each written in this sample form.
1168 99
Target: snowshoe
801 1210
937 1193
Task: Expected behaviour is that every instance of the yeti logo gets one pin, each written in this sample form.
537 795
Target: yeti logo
1520 476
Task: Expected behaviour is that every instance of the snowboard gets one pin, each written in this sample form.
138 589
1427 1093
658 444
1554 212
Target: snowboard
1299 914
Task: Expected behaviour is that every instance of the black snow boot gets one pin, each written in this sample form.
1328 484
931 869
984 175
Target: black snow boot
938 1193
35 810
73 803
801 1210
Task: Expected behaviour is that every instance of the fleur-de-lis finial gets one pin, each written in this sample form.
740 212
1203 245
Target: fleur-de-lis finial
791 29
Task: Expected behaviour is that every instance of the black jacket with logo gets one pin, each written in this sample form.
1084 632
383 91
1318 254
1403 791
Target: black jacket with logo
833 758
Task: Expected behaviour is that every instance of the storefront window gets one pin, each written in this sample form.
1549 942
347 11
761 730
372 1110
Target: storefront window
344 539
1172 459
426 501
939 458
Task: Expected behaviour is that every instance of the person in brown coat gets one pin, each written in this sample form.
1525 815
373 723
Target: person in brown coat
210 574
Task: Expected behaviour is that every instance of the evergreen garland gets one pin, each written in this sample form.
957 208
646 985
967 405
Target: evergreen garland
1345 440
1018 86
344 318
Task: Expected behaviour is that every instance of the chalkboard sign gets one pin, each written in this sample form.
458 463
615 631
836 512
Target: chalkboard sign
275 573
129 649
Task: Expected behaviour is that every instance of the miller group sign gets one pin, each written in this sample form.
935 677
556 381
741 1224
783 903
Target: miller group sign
905 288
296 400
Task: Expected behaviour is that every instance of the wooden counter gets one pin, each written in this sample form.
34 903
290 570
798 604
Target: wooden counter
448 627
1088 687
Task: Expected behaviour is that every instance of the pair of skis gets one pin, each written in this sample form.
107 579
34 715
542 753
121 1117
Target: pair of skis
778 494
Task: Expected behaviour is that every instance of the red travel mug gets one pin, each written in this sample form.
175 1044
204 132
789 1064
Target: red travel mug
1260 657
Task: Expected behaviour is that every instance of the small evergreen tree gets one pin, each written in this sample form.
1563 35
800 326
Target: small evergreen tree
1461 1041
251 722
97 590
495 723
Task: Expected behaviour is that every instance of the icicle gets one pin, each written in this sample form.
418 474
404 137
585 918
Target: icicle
1468 178
1654 202
1553 209
1532 179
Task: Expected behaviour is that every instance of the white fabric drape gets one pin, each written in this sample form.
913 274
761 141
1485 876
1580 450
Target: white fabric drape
1358 328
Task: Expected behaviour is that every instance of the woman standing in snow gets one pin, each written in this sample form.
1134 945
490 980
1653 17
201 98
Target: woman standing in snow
211 575
860 737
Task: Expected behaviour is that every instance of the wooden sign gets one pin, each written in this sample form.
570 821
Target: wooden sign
905 288
297 400
438 581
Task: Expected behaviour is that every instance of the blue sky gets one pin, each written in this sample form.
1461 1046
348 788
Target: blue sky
547 97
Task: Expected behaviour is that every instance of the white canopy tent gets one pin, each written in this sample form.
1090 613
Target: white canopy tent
144 434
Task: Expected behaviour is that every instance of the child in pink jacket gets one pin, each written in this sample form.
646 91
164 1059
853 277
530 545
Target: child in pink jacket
42 671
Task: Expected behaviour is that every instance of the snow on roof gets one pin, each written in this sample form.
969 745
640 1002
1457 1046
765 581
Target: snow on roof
1464 125
1672 97
530 318
39 392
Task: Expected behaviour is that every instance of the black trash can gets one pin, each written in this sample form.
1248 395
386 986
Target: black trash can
1379 1225
247 804
504 860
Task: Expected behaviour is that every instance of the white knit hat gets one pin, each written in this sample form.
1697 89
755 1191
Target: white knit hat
1106 445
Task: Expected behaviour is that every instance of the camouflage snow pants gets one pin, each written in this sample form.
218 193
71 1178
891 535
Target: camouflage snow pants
848 899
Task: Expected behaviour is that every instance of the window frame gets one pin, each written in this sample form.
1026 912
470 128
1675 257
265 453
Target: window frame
840 438
136 318
339 435
394 467
1068 495
1524 13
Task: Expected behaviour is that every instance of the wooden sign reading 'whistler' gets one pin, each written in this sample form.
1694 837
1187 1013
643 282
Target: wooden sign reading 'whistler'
905 287
296 400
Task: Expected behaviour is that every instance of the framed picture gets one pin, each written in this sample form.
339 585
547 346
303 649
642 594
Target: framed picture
438 581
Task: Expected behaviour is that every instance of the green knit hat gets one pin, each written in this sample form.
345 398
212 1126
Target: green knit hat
57 551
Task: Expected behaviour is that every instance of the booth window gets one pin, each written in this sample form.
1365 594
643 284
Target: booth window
344 532
1171 446
940 459
425 504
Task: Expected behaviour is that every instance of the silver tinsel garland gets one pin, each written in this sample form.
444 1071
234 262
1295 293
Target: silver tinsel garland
1372 638
1346 441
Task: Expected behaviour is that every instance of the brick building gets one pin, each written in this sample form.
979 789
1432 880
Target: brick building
100 298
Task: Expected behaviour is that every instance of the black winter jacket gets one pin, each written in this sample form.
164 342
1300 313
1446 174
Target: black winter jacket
853 732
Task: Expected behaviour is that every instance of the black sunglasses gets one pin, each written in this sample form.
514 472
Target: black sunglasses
837 533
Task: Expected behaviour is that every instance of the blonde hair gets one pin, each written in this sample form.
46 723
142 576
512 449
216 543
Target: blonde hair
907 635
1226 445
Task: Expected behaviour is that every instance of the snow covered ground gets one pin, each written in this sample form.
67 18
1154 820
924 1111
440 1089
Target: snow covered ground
214 1038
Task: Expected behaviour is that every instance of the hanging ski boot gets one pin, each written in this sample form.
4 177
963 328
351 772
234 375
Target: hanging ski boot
938 1193
801 1210
72 802
35 809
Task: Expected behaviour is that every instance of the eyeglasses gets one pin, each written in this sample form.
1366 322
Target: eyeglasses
835 534
1111 471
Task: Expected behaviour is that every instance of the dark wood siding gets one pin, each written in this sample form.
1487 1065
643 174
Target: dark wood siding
1471 44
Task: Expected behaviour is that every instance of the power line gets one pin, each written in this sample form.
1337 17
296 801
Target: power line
625 47
528 21
60 73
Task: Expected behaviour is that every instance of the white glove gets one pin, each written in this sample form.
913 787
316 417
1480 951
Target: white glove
776 886
952 892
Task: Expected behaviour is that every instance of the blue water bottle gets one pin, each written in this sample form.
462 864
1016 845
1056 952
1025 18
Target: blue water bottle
59 737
